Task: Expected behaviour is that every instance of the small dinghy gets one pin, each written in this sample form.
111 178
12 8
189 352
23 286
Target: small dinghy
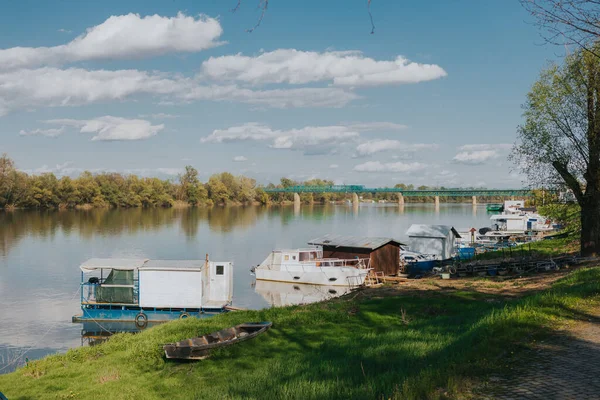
199 348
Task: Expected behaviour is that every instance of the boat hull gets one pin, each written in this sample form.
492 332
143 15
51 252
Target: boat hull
330 276
199 348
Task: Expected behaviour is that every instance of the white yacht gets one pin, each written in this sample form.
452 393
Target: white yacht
309 266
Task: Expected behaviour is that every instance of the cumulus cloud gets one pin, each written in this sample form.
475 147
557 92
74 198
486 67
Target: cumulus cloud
475 154
347 68
475 157
376 126
122 37
311 139
377 166
110 128
379 145
158 116
240 159
151 172
494 146
52 87
53 132
64 169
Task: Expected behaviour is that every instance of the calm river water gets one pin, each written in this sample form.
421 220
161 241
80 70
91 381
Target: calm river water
40 252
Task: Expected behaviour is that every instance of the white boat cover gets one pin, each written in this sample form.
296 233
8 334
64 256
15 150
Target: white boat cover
126 264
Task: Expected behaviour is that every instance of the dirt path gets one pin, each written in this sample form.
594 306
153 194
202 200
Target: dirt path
566 366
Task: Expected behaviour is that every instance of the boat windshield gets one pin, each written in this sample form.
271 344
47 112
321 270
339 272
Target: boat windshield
309 255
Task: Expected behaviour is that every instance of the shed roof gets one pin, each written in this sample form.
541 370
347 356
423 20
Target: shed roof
362 242
435 231
113 263
173 265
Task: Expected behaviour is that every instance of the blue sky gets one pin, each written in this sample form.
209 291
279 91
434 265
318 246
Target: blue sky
147 87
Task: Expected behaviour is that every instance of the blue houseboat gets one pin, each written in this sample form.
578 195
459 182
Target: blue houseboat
143 291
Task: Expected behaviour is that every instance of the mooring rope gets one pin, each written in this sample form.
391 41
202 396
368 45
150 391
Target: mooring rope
19 357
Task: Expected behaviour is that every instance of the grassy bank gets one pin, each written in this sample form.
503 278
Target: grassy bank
376 346
541 249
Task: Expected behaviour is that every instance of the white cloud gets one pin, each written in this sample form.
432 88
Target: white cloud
122 37
475 157
64 30
492 146
53 132
158 116
476 154
334 166
52 87
377 166
311 139
64 169
376 126
152 172
275 98
240 159
379 145
347 68
109 128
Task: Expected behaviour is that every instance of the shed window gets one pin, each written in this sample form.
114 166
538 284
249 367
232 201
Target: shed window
220 270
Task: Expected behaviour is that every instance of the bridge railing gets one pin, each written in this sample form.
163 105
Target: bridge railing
407 193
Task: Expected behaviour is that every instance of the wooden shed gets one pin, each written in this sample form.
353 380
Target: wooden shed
384 253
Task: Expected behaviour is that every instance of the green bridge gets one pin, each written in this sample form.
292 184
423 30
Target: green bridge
403 192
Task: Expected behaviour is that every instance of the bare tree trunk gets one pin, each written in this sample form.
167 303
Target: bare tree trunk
590 224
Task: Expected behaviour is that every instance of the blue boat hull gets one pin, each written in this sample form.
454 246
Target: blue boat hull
420 267
132 314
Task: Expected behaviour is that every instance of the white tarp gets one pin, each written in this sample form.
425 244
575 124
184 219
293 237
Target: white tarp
170 288
94 264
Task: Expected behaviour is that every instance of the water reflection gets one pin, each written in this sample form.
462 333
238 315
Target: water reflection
279 294
93 333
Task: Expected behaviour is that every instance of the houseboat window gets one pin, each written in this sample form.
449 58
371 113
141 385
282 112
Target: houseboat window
220 270
293 257
286 258
304 256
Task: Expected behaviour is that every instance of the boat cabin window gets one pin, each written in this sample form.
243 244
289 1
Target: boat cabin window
293 257
220 270
286 257
309 255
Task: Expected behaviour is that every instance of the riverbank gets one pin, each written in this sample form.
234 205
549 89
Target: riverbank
379 343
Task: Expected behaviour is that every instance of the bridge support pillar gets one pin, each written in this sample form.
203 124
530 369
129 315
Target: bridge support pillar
512 198
437 201
400 199
354 199
474 200
296 200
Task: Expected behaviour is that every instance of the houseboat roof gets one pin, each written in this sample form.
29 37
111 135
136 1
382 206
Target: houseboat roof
432 231
112 263
363 242
506 216
174 265
129 264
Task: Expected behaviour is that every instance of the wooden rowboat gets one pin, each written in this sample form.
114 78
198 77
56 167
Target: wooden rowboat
199 348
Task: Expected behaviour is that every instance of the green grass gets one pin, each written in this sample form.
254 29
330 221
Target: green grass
391 347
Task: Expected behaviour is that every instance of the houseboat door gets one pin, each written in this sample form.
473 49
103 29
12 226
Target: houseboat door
220 281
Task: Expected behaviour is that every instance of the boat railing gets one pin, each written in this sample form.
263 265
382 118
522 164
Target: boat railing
88 290
361 263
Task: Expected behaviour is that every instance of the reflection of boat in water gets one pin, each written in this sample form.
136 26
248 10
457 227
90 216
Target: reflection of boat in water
309 266
93 333
281 294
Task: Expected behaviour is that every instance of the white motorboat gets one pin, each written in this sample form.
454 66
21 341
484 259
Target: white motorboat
309 266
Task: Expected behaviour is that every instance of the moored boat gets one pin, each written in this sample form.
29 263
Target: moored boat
309 266
199 348
495 207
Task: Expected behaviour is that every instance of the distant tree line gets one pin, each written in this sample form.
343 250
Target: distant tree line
21 190
108 189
